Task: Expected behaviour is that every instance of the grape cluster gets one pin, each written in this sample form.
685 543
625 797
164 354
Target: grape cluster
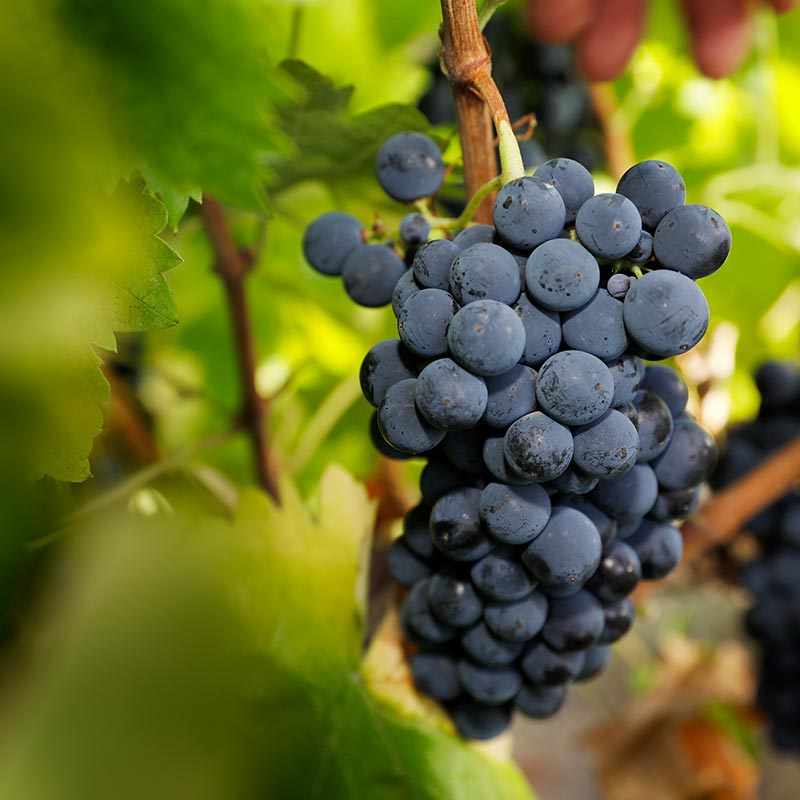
773 577
533 77
556 460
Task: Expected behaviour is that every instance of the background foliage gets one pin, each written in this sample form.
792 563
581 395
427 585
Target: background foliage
154 591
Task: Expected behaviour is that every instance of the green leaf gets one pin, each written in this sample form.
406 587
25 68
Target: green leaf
335 730
330 141
138 297
191 92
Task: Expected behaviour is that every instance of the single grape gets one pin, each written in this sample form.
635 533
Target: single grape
329 239
400 423
689 457
486 337
417 534
573 623
431 265
409 167
668 385
370 273
574 388
606 526
595 661
542 331
655 188
464 449
476 720
517 620
632 494
565 554
538 447
628 526
618 285
414 229
417 616
424 320
527 212
654 423
384 365
494 458
692 239
618 621
606 448
474 235
514 514
439 477
608 225
572 181
597 327
628 372
491 686
511 396
486 648
573 481
561 275
678 504
456 527
436 675
544 667
540 702
618 574
501 576
665 313
381 445
643 251
485 272
405 567
659 546
405 287
452 599
449 397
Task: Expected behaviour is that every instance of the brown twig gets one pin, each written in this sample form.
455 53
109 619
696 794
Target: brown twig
722 517
232 266
467 63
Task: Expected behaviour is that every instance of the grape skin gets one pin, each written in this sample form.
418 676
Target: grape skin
517 620
424 320
400 423
606 448
665 313
370 273
528 211
449 397
385 364
431 265
596 327
561 275
538 447
655 188
485 271
511 396
514 514
329 239
486 337
542 327
572 181
608 225
409 167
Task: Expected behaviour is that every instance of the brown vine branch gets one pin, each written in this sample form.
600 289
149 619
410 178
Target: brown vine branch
232 265
722 517
467 62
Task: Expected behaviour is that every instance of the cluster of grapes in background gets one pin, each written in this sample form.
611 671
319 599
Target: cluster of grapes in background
556 461
533 77
772 576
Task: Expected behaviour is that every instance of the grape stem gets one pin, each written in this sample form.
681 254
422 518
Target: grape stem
467 63
722 517
487 11
233 265
456 224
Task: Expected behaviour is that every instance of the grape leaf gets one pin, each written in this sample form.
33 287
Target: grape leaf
331 733
191 93
330 141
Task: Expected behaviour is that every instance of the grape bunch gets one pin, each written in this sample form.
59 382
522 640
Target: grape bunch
773 577
556 460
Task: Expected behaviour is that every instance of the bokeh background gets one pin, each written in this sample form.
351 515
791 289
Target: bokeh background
161 622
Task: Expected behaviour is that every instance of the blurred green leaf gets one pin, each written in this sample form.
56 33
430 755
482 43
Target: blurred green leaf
191 93
329 736
329 140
